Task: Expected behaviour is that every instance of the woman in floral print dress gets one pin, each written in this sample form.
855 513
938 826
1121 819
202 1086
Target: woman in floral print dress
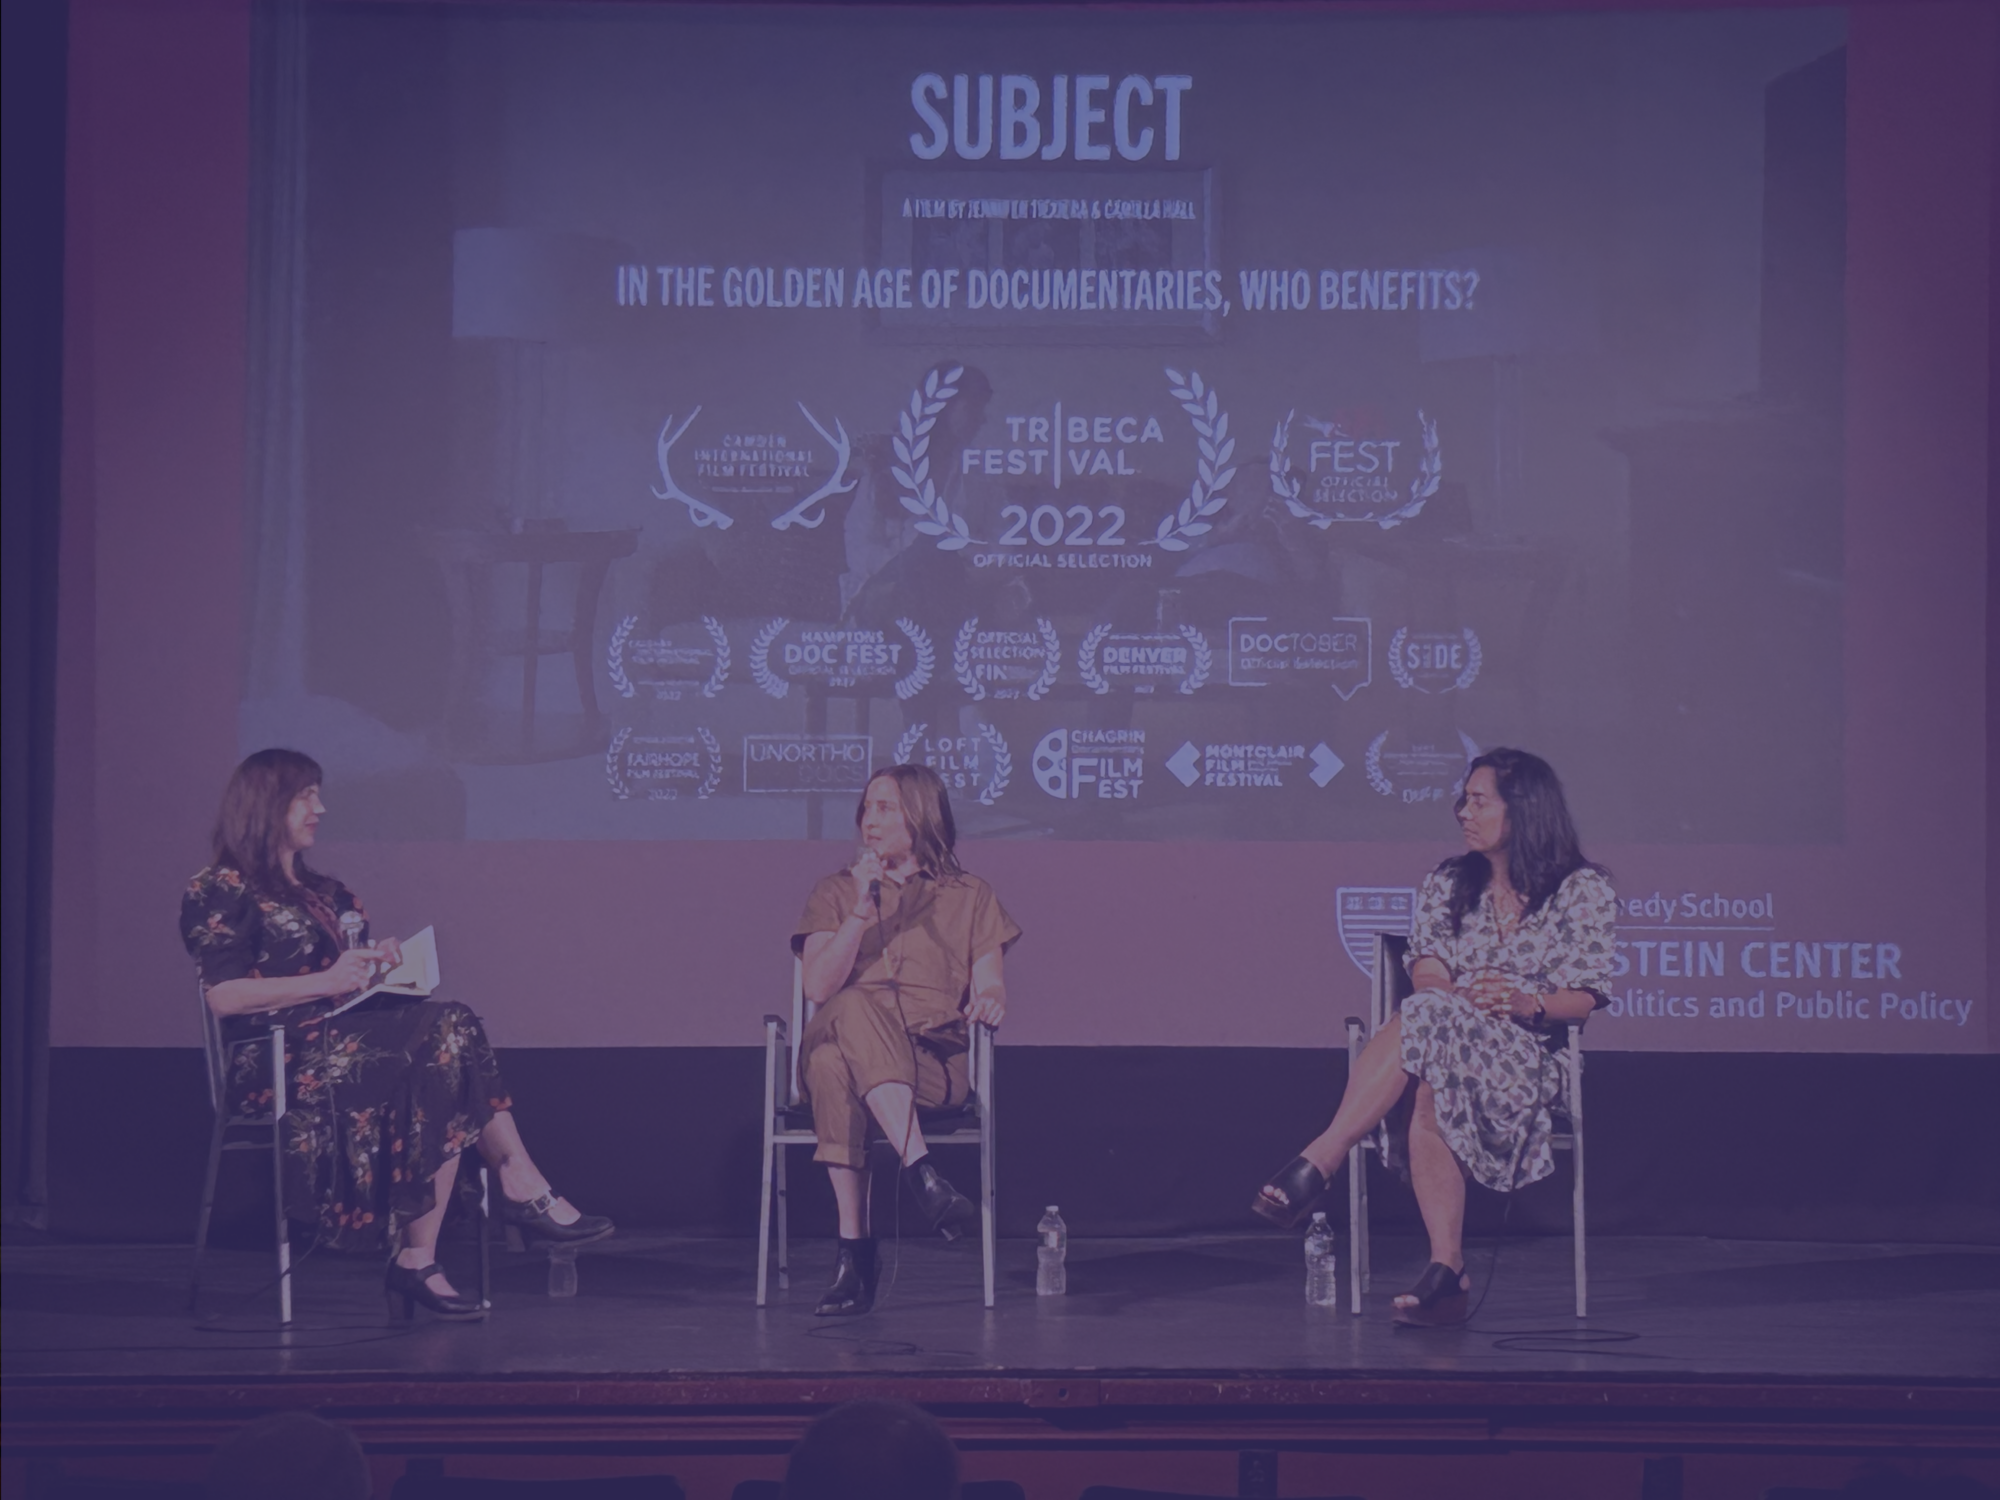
380 1101
1512 940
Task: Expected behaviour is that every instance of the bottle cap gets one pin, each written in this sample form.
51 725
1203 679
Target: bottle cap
1050 1209
1320 1217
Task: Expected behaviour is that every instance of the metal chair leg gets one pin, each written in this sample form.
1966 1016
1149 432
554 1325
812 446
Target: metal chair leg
785 1224
771 1025
1576 1189
278 1108
989 1202
1356 1207
207 1208
483 1227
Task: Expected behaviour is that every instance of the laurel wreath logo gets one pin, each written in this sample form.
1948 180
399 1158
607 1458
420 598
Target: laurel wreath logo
919 675
621 638
1086 659
1202 662
614 765
1474 658
961 660
1373 762
713 780
614 769
1001 767
1201 659
760 658
1051 659
1213 470
1430 469
615 656
720 674
911 443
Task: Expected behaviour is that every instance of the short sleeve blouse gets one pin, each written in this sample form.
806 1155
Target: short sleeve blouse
932 931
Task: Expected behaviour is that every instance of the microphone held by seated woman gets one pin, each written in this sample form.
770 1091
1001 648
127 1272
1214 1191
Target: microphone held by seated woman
1513 940
382 1099
902 954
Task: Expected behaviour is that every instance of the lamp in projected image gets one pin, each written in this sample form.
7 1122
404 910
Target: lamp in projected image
527 292
1522 304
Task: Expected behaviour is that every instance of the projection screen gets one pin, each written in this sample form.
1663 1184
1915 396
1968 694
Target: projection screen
1196 436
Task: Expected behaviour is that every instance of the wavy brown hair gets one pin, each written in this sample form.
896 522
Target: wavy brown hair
250 826
1542 847
927 809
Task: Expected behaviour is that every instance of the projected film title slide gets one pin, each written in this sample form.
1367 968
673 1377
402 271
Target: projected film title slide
1092 221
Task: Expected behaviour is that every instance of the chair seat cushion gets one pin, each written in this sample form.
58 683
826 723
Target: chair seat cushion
942 1120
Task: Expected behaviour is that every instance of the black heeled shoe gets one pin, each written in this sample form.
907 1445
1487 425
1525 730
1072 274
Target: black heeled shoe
852 1291
949 1210
1440 1294
1302 1184
411 1285
532 1218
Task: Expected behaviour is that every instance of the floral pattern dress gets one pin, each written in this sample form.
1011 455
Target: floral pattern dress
1492 1079
377 1099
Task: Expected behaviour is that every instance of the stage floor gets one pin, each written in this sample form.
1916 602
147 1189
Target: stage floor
653 1306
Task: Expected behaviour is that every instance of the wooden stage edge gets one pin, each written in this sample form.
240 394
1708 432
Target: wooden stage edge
53 1415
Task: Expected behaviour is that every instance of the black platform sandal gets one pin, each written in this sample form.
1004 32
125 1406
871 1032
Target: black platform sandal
949 1210
411 1287
532 1218
1441 1295
1302 1185
852 1291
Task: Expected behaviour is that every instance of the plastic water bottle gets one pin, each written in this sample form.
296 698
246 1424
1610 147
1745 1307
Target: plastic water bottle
562 1270
1322 1284
1051 1280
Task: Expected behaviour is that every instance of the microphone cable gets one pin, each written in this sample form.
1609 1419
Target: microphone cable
1570 1340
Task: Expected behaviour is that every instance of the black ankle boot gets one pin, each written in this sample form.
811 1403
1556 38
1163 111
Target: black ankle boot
949 1210
852 1291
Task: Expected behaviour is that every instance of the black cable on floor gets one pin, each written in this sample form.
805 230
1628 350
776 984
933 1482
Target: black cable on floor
1569 1340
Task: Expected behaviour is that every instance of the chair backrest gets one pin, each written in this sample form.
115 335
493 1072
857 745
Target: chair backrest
798 1028
211 1046
1389 985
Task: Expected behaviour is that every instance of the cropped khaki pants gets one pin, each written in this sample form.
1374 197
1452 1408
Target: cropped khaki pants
855 1043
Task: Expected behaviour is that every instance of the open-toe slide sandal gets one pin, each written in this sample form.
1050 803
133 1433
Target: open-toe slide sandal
1302 1185
1441 1296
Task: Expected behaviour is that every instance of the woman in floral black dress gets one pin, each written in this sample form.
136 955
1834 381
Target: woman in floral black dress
381 1101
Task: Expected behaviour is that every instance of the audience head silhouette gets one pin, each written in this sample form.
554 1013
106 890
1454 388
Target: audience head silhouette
873 1450
290 1455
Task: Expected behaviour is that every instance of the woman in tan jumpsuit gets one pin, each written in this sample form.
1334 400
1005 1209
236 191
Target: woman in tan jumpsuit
902 954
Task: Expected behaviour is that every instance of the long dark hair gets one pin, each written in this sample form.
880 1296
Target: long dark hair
1542 847
250 827
927 809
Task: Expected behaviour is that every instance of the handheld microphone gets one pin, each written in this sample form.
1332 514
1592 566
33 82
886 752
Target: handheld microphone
875 894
